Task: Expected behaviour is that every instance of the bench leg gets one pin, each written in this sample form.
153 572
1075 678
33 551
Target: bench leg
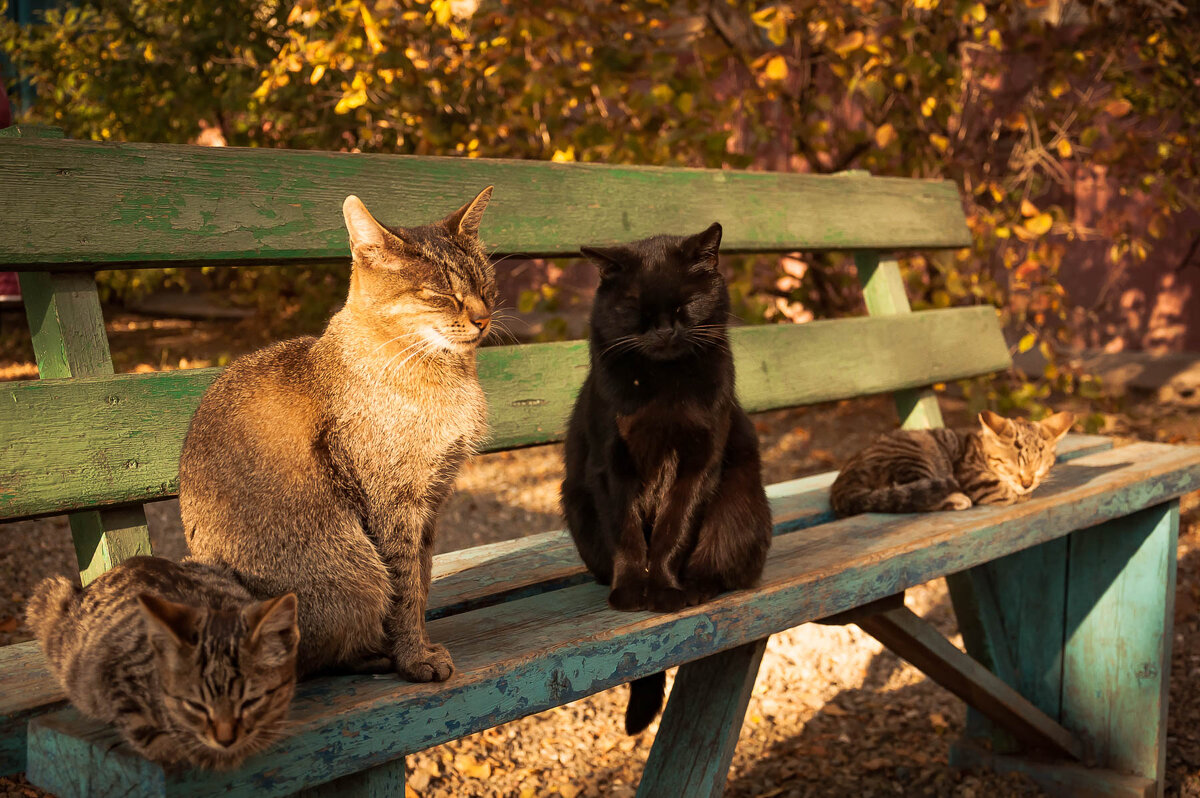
381 781
1117 657
700 726
1082 628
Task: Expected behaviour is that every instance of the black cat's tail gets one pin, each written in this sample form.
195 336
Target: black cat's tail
645 701
923 495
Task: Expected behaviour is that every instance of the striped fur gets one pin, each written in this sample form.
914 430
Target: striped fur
914 471
190 669
318 466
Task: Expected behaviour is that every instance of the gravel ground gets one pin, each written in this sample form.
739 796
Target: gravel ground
832 713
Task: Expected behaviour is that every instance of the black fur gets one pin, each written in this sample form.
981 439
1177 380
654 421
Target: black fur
663 491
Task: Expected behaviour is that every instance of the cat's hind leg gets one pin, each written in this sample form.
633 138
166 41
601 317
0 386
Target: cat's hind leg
735 533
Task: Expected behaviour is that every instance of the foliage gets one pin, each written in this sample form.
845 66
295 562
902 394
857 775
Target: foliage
1015 100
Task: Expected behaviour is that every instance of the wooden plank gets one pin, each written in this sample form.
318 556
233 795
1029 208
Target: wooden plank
462 580
699 729
102 442
154 204
528 655
1055 777
917 641
69 340
1117 658
381 781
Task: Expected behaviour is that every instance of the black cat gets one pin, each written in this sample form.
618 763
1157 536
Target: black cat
663 491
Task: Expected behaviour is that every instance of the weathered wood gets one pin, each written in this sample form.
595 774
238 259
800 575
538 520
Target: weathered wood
154 204
102 442
528 655
867 610
1055 777
917 641
462 580
699 729
1117 657
69 340
381 781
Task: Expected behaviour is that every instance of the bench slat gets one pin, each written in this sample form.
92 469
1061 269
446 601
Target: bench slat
529 655
144 205
98 442
462 580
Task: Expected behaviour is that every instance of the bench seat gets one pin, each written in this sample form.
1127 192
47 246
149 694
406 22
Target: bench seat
463 580
555 640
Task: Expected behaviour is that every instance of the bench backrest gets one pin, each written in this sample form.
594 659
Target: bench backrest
82 438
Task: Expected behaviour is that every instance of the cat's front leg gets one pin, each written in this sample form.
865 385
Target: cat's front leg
409 554
629 565
670 545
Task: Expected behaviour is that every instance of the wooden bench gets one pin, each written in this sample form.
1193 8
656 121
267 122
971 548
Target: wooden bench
1064 601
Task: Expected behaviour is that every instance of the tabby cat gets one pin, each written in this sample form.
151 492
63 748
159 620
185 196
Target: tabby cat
190 669
663 491
913 471
318 465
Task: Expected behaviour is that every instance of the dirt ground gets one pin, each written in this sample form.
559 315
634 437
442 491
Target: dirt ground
832 713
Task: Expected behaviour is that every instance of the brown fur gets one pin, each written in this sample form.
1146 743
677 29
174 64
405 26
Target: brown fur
909 471
179 657
318 465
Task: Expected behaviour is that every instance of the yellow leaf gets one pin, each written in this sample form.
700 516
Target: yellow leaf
1040 224
441 11
1064 148
777 68
885 134
941 142
317 73
1118 108
564 156
295 13
372 30
777 33
1026 343
978 12
850 43
350 100
1028 209
928 106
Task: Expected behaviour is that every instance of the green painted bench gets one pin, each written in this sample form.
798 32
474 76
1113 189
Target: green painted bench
1064 601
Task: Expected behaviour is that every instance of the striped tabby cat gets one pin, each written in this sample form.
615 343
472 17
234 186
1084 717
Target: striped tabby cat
913 471
190 669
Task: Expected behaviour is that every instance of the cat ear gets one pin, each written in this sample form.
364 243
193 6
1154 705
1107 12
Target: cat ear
1057 425
365 232
273 628
996 425
708 244
610 260
166 619
465 221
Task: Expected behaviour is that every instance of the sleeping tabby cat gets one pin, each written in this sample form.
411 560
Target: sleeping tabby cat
190 669
913 471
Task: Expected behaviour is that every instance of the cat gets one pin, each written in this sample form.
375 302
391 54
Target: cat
190 669
318 465
913 471
663 491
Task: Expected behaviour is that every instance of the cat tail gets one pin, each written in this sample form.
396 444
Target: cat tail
923 495
52 602
645 701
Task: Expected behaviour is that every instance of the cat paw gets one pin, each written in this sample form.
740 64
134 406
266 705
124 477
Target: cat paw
429 664
956 501
700 594
628 598
666 599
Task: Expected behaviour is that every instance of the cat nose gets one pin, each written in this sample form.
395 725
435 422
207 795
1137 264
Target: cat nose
223 732
1026 482
481 322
